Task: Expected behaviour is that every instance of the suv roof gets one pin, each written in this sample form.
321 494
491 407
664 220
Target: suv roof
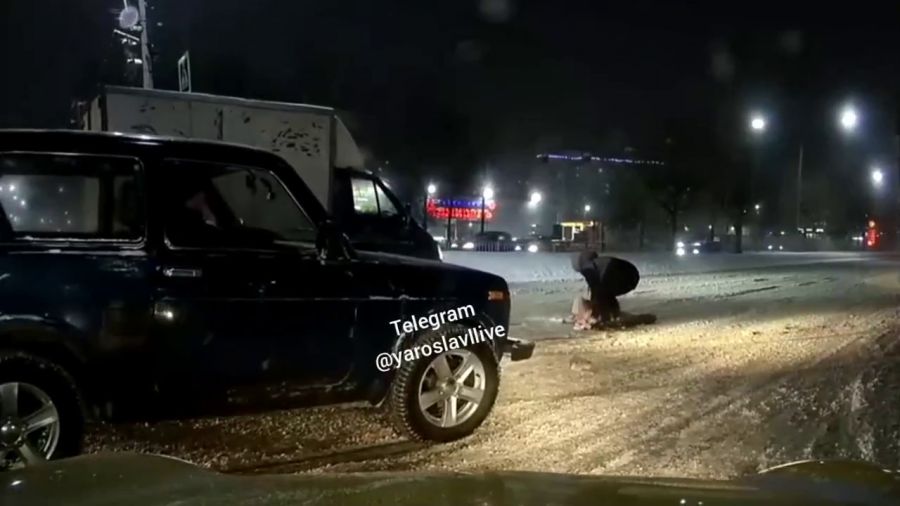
119 143
156 147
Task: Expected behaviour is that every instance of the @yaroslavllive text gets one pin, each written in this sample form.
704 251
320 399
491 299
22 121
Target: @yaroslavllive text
393 360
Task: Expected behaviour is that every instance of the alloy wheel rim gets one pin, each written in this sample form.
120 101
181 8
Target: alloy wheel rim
29 425
452 387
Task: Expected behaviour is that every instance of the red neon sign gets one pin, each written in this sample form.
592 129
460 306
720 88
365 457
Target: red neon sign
461 213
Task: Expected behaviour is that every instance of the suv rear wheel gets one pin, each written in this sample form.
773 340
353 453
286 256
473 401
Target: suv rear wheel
40 411
447 396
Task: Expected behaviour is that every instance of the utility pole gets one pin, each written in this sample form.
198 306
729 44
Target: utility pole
482 213
449 218
145 45
799 185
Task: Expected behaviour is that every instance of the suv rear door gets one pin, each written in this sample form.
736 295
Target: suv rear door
74 267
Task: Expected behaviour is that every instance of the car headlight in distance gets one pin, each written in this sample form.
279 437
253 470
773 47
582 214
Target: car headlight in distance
697 244
770 247
696 251
679 251
679 244
780 248
469 245
532 248
518 248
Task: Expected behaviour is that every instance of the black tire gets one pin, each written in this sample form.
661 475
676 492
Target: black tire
403 397
59 386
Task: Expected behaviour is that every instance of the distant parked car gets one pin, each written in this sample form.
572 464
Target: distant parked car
490 241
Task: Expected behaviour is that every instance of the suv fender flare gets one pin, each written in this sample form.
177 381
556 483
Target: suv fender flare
45 338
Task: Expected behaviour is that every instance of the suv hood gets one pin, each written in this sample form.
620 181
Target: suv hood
417 276
144 480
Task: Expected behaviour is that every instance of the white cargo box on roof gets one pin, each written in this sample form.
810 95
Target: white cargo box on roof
311 138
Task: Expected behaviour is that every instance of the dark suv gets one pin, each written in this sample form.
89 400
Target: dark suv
143 278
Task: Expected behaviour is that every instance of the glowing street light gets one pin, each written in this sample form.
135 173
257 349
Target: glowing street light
587 208
877 177
432 188
757 123
849 118
535 199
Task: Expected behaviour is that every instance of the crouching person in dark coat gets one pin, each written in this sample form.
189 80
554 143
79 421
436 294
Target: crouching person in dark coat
607 278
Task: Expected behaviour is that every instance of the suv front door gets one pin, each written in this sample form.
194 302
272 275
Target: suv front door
281 320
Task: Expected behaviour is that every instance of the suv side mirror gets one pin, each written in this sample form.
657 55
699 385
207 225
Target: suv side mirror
331 243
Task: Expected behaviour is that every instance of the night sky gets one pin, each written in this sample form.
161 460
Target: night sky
453 86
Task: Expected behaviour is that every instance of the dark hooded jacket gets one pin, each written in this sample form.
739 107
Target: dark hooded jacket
614 276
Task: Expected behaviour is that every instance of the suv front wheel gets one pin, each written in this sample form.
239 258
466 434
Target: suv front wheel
40 411
447 396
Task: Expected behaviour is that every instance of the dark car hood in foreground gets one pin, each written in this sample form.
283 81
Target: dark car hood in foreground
140 480
432 277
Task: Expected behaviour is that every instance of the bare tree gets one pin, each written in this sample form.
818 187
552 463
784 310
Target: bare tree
671 185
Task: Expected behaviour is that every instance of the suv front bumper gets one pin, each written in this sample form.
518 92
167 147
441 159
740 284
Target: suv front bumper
518 349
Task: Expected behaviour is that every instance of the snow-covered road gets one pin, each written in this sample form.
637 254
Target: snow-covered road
750 365
522 267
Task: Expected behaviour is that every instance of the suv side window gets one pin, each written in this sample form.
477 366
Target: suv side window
216 205
71 197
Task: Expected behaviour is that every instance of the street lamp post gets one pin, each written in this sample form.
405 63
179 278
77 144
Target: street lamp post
486 194
431 189
757 128
449 217
799 185
848 120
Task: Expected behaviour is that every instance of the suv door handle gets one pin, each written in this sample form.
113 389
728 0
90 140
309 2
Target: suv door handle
181 272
